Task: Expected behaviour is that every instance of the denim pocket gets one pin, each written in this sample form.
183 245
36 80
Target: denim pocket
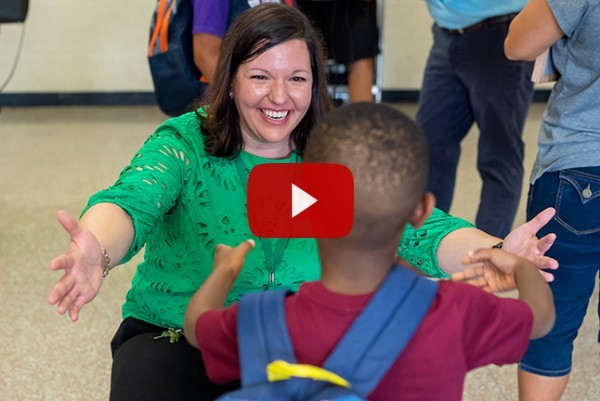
578 201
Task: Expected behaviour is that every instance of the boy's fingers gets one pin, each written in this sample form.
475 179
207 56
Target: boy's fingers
487 288
479 255
246 246
478 281
468 274
243 248
469 259
221 248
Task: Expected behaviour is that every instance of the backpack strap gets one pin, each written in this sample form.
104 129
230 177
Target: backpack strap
262 334
161 23
379 334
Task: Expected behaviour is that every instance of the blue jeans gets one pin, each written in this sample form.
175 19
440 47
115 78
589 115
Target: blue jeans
469 80
575 193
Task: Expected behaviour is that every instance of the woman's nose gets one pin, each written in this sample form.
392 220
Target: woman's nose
278 93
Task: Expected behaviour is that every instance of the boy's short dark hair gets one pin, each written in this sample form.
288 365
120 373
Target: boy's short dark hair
388 157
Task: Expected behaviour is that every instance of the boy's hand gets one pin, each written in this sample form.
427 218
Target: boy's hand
495 272
228 263
523 241
232 259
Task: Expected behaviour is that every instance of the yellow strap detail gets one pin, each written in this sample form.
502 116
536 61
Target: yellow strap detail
281 370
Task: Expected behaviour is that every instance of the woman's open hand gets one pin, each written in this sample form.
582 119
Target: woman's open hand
82 265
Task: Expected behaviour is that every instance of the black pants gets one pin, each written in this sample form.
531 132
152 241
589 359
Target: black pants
153 370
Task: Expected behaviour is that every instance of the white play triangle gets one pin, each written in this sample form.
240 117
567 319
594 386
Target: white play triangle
300 200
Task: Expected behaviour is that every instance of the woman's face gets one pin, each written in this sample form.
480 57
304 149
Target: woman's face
272 94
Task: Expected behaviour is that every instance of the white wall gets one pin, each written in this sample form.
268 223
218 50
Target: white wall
406 39
79 46
100 46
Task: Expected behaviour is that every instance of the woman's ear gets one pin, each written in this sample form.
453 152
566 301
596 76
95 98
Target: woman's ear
423 210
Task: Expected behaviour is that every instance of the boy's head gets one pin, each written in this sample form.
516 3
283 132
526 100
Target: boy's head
388 157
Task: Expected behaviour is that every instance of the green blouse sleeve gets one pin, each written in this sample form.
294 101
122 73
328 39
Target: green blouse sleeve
418 246
149 186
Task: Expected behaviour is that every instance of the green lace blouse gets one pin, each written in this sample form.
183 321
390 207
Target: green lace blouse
184 202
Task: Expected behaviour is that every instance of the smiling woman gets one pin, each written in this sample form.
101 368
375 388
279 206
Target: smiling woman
184 192
269 70
272 94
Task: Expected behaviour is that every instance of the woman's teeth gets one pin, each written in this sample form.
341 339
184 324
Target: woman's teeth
275 115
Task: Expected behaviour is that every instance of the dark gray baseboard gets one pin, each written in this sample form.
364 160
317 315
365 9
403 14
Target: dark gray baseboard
77 99
412 96
147 98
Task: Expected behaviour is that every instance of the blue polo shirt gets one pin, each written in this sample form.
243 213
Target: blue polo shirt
457 14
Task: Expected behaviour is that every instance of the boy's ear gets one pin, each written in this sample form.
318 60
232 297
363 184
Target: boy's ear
422 210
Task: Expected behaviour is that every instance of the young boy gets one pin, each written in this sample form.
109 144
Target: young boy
464 328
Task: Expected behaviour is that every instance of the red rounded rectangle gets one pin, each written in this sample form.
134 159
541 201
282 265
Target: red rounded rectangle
300 200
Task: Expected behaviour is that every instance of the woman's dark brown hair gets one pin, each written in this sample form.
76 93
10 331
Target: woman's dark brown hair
254 32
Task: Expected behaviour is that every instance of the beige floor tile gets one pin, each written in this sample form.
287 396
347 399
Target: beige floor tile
53 158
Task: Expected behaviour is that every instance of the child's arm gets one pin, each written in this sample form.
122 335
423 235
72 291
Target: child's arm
532 31
213 292
502 271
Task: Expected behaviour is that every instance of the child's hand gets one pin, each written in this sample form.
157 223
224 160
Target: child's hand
228 263
232 259
496 271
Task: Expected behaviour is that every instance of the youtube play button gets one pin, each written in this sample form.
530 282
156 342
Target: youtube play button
300 200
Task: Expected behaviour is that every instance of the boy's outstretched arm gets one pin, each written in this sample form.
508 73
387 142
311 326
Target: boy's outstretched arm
501 271
212 293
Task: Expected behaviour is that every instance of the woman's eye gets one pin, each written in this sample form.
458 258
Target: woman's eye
259 77
299 79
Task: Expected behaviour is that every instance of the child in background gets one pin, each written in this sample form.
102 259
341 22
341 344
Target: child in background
565 175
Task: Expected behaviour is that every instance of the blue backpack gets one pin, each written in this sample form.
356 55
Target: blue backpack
355 367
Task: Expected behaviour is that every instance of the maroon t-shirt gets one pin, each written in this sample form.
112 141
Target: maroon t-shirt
465 328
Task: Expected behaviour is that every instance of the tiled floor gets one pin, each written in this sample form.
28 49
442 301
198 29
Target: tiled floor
53 158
